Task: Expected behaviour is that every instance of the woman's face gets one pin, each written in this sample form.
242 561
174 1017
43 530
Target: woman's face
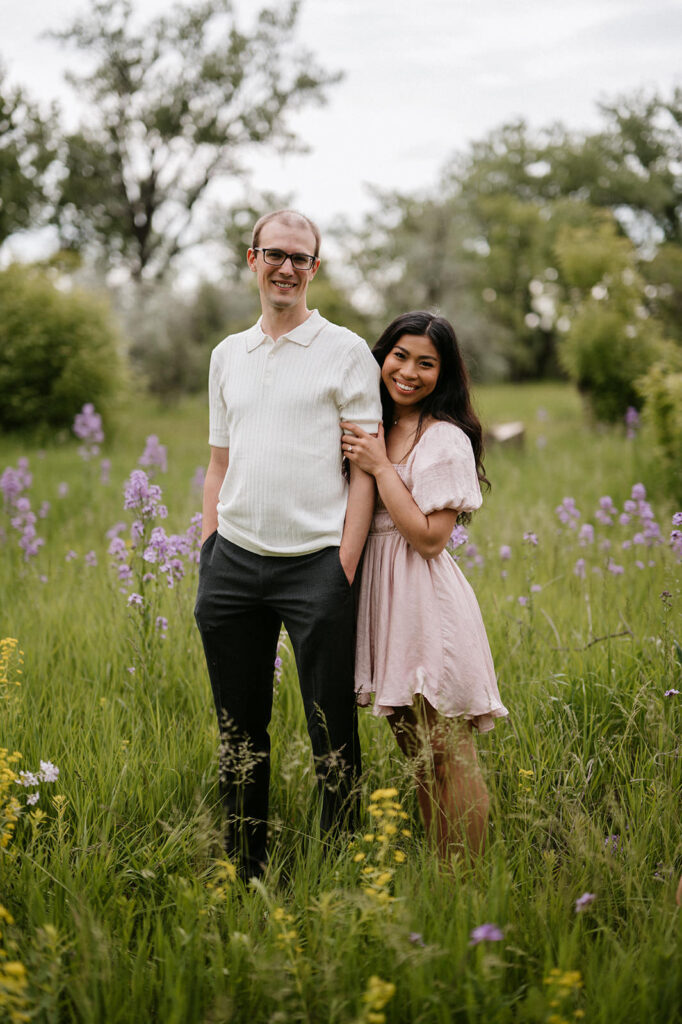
410 371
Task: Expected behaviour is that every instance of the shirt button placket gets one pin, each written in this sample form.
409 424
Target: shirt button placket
267 379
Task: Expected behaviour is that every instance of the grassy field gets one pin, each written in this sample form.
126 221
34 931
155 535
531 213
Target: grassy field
116 904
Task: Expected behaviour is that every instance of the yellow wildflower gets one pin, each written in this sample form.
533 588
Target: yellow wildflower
384 794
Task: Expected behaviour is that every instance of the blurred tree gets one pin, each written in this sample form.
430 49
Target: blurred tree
611 341
26 152
663 293
172 331
482 245
415 252
631 166
174 106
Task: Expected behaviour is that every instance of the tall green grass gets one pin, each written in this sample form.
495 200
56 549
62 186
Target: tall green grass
123 908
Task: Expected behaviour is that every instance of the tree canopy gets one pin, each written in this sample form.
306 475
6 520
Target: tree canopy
26 152
174 106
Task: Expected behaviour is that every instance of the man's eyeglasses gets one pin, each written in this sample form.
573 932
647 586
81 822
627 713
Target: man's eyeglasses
277 258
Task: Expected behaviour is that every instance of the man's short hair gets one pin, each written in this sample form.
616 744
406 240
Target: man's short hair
290 217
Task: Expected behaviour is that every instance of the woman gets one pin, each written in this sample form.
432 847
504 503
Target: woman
422 651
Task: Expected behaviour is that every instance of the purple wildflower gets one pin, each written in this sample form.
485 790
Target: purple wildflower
523 601
531 538
568 513
606 511
91 559
161 625
505 552
71 555
104 471
677 519
458 537
118 549
579 568
584 901
612 844
486 933
14 481
676 541
671 693
198 479
631 422
615 570
586 534
638 492
143 497
154 455
63 489
87 426
136 599
416 939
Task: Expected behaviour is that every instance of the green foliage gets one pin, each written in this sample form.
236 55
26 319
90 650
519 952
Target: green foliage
171 332
26 152
611 340
664 292
58 350
480 244
661 388
174 106
333 303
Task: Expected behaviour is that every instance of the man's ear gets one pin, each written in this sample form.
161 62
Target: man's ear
251 259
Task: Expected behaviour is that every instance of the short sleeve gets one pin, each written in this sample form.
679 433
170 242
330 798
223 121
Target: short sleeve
218 430
444 471
359 400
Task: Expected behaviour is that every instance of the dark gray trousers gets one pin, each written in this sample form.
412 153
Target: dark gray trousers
242 601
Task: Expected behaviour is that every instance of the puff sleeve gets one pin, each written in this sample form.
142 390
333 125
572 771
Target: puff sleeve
444 471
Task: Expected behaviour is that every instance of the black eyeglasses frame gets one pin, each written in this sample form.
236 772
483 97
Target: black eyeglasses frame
310 260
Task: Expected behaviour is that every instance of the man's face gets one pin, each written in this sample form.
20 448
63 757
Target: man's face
283 288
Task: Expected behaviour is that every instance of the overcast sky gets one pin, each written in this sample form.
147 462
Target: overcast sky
422 78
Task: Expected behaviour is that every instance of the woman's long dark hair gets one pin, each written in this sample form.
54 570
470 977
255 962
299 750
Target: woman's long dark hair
450 399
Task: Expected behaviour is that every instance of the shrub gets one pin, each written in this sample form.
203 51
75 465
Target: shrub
58 350
605 356
661 389
612 341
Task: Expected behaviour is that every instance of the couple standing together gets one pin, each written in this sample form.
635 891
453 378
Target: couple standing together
285 521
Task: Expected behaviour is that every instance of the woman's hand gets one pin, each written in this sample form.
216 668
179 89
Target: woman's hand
364 450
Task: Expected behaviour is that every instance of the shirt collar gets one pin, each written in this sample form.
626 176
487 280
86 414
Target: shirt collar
301 335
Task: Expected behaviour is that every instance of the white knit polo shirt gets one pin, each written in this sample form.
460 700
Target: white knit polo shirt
277 407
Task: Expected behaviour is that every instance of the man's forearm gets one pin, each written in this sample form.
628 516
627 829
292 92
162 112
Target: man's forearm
361 497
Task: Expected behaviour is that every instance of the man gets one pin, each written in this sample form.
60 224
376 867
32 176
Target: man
283 532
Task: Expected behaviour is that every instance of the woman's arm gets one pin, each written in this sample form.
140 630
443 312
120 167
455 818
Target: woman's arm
427 534
215 474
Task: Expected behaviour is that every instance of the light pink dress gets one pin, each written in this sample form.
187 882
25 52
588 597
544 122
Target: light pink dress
419 625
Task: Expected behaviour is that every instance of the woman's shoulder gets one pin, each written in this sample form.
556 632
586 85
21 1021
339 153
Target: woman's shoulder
443 435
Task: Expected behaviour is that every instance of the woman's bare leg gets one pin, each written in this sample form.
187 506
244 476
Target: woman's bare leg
452 795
